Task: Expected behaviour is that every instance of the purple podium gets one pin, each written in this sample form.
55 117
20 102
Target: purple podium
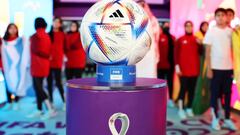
90 106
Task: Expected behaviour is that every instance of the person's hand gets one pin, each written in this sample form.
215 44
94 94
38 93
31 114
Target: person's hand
199 41
209 73
178 71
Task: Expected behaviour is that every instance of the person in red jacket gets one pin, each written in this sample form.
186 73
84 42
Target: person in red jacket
76 58
58 41
40 44
166 63
187 67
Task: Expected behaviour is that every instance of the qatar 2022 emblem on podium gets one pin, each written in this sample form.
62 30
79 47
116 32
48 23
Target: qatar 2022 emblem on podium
115 35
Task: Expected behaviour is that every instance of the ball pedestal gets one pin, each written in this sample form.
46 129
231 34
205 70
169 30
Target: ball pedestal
90 105
116 74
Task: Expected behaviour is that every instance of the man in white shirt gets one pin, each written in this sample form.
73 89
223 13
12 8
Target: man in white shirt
147 67
220 66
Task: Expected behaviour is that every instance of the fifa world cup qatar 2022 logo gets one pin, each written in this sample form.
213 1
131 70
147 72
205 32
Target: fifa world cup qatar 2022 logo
124 123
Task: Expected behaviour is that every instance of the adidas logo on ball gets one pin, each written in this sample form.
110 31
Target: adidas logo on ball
117 14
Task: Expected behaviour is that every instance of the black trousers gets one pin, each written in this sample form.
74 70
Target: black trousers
9 97
221 81
72 73
55 74
167 74
39 91
188 84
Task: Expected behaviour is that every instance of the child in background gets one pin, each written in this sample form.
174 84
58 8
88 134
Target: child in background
187 67
40 54
230 16
15 58
220 66
58 40
166 64
76 58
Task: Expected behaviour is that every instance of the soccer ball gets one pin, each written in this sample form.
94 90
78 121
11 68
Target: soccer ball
116 32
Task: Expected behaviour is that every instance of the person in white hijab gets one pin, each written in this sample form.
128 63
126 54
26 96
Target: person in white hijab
147 67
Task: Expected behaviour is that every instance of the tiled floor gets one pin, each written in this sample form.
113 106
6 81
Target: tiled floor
16 122
199 125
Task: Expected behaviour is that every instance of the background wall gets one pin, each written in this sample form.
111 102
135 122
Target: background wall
197 11
23 13
77 8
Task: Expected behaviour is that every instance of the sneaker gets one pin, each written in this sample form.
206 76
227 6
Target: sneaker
64 107
190 112
182 114
215 124
229 124
50 114
36 114
7 107
170 103
221 114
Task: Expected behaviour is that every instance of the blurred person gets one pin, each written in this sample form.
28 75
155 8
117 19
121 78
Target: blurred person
15 59
230 16
220 67
236 55
58 40
76 58
3 90
202 31
40 44
201 102
187 68
1 66
147 67
166 64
